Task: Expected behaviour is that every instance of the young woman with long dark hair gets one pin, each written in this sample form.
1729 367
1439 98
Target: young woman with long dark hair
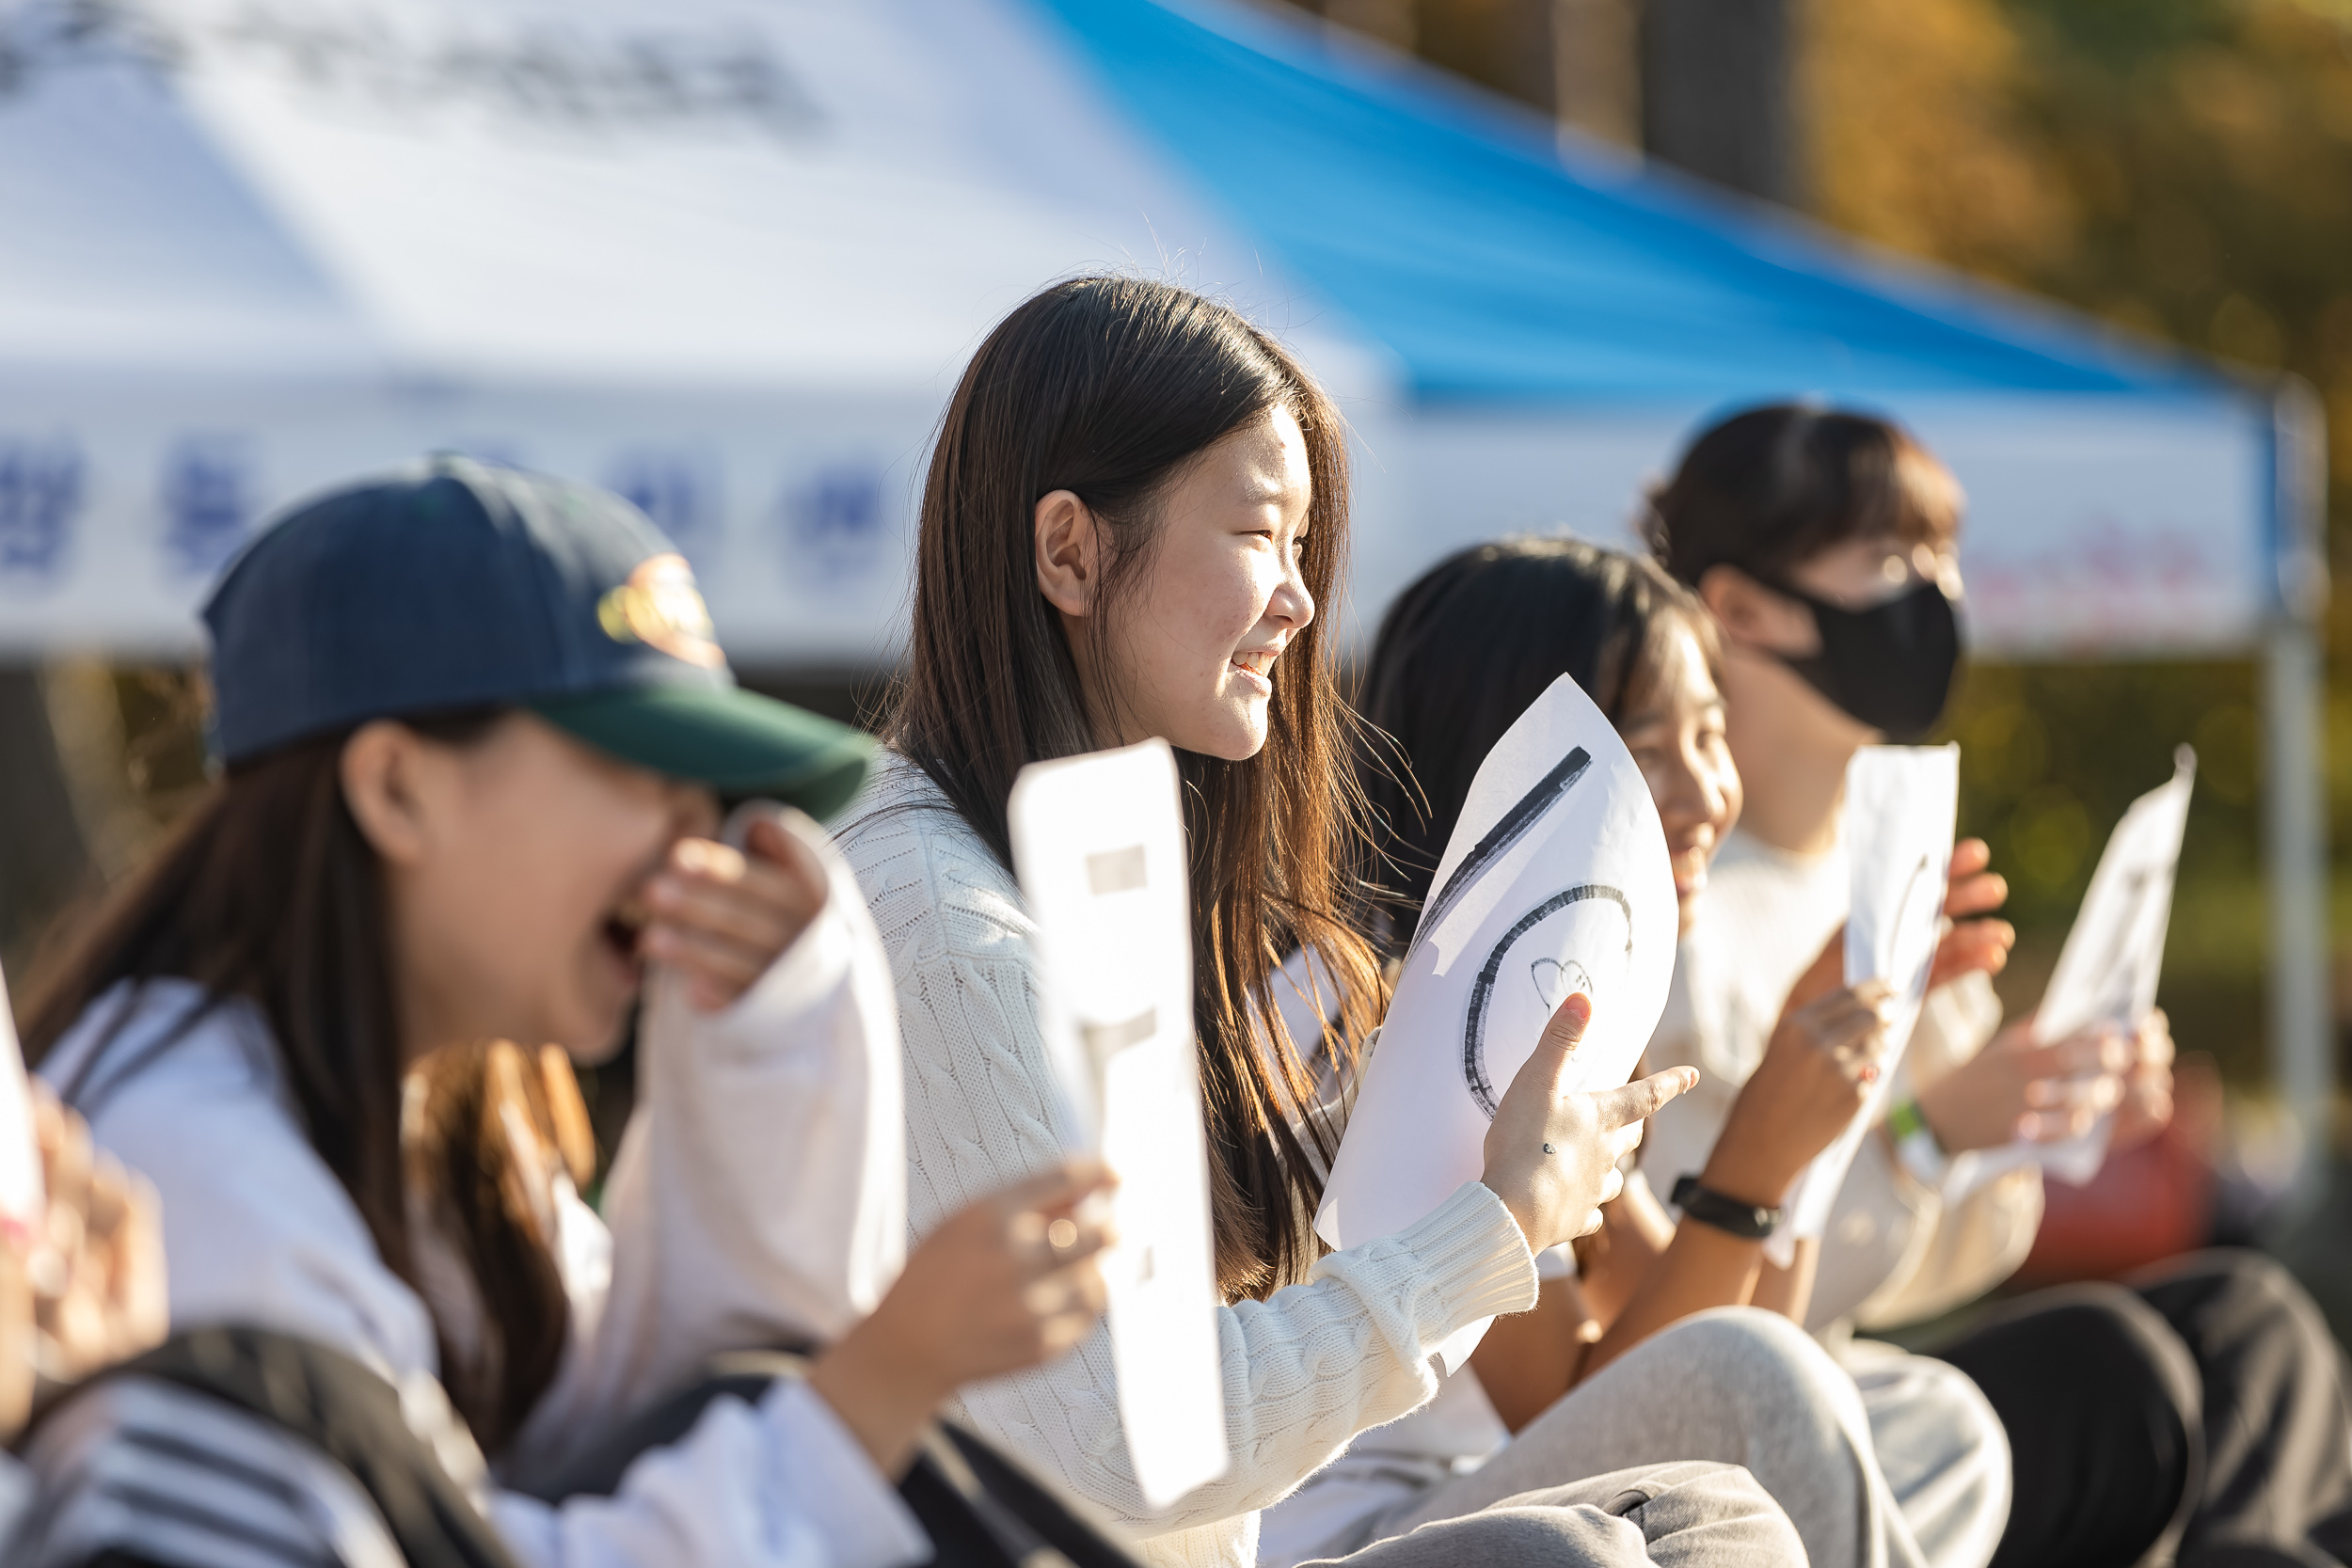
475 728
2199 1412
1136 507
1460 654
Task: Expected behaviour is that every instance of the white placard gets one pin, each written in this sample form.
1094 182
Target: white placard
1901 804
1555 880
21 1198
1099 844
2107 973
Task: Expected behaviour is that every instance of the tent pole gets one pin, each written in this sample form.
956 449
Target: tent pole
2295 788
2302 1041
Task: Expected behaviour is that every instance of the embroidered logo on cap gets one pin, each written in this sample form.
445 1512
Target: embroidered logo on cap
660 606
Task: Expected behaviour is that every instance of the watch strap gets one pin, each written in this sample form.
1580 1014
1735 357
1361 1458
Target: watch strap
1750 1222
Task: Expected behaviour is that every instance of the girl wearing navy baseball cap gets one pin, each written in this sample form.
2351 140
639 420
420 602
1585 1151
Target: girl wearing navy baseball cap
475 730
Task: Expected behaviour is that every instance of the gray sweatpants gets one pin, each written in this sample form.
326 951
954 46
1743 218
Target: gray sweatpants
1735 1386
1686 1515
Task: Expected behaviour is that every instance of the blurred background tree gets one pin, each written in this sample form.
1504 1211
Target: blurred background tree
2182 168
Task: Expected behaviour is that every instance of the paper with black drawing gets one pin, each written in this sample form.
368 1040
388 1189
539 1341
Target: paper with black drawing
21 1197
1901 803
1099 845
2107 973
1555 880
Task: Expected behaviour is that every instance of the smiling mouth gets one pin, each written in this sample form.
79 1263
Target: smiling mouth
1257 662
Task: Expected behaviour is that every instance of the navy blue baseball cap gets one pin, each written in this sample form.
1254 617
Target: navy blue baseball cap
457 584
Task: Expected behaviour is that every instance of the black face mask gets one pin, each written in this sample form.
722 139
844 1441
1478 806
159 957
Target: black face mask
1889 666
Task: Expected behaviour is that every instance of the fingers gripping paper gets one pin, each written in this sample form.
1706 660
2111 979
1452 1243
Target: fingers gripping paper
1555 880
2107 973
21 1197
1901 803
1099 847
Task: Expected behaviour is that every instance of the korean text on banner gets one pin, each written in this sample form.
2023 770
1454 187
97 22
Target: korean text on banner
1099 845
20 1196
1902 803
2107 973
1554 882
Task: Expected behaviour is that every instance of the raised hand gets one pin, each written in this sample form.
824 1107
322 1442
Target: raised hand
1551 1151
719 916
1818 1071
85 1289
2015 1088
2146 1107
1009 1281
1976 943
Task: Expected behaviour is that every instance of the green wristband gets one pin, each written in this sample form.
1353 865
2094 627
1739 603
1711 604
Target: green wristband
1907 1119
1920 1151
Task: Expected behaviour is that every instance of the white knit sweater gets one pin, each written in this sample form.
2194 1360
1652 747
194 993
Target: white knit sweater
1304 1371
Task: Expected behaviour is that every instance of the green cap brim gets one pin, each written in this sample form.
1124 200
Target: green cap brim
738 742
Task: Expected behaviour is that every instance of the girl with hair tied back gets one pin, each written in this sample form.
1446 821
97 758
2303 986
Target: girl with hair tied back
1137 504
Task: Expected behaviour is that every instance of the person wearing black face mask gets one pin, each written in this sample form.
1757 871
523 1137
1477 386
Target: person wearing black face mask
2193 1416
1889 666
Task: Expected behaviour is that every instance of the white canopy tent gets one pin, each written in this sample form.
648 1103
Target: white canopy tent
728 257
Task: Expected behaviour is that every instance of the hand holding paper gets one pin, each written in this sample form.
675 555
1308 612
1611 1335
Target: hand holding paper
1818 1072
81 1258
2086 1036
1555 883
1099 845
1900 805
1551 1156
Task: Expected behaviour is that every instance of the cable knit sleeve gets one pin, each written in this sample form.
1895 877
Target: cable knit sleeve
1304 1371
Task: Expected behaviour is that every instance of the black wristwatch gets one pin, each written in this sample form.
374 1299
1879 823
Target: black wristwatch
1748 1221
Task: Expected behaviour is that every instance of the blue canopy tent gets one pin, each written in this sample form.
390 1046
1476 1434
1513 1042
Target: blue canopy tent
2127 499
729 259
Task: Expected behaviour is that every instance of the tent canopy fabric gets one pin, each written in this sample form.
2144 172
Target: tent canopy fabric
1499 267
728 259
728 256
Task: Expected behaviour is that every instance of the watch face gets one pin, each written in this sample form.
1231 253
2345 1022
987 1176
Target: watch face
1580 938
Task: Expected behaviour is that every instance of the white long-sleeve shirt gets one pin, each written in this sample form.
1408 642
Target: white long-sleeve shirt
1304 1371
741 1215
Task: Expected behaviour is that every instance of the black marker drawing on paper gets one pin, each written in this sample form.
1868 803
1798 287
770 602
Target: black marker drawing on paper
1556 982
1895 930
1514 825
2117 972
1565 976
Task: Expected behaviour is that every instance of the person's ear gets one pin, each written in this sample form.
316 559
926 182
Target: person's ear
380 768
1754 616
1069 553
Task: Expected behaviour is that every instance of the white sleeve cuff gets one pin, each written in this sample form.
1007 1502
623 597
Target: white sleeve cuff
781 1484
840 1494
1556 1263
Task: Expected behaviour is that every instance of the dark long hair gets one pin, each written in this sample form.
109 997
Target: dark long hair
1770 488
268 893
1464 651
489 1123
1107 386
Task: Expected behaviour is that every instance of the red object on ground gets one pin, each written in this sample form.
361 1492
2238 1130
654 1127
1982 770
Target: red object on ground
2145 1205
